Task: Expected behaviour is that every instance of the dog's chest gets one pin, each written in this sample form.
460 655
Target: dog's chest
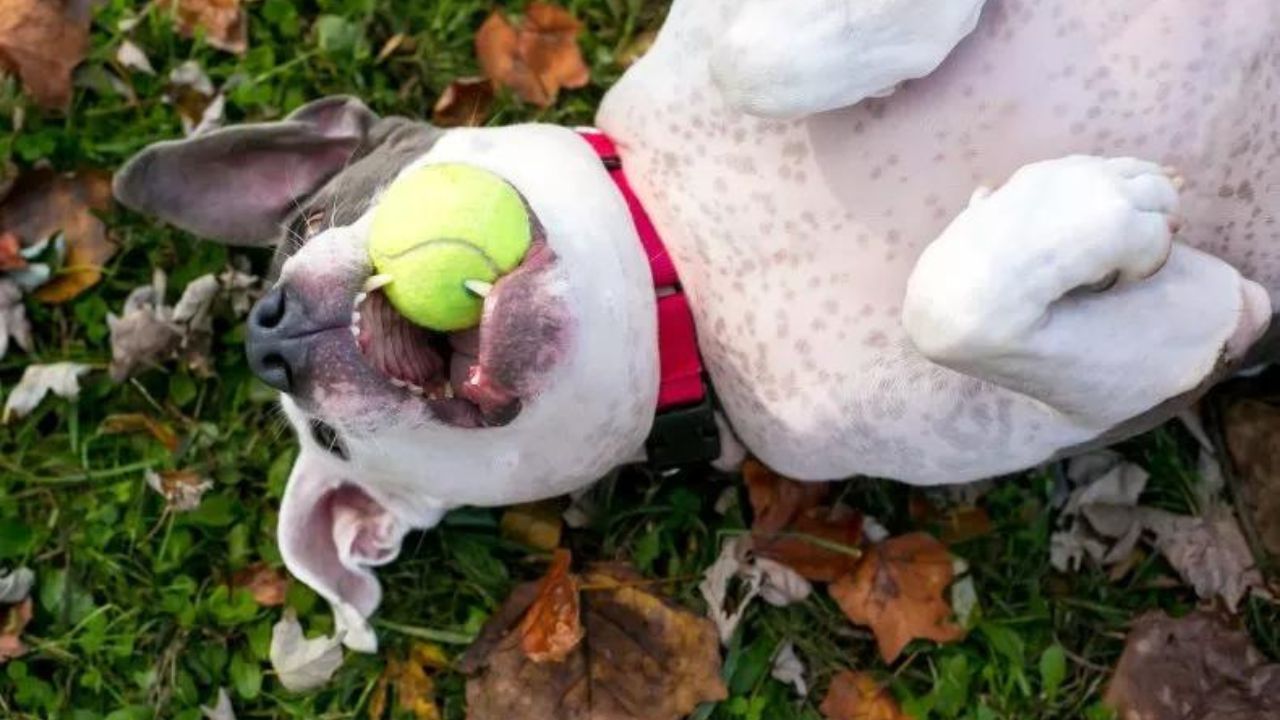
795 240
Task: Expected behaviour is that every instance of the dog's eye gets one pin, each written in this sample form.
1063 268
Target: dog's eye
327 438
313 223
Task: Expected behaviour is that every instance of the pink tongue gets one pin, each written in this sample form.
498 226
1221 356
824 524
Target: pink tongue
395 346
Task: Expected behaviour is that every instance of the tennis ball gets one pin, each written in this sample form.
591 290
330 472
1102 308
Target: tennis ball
436 228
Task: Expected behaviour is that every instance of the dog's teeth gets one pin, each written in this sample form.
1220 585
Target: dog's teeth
374 282
360 298
415 389
355 331
399 383
355 318
478 287
448 391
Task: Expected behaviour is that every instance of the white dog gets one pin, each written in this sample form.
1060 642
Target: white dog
819 172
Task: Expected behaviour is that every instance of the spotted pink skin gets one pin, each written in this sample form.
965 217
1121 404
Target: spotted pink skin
795 239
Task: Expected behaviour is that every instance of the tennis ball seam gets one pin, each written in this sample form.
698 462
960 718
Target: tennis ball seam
384 257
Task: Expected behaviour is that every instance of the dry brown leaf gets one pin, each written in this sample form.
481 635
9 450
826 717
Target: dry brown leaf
11 252
182 490
43 41
857 696
1250 428
956 524
819 542
643 659
413 682
535 59
898 591
139 422
13 620
43 203
267 584
553 626
225 24
537 525
466 102
1198 667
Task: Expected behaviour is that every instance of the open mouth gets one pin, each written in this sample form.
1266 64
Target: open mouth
464 377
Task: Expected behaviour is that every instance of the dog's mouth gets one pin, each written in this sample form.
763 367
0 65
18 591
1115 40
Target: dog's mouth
479 377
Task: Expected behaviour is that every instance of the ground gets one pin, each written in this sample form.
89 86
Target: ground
133 618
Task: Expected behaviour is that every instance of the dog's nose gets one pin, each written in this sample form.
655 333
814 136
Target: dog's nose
278 337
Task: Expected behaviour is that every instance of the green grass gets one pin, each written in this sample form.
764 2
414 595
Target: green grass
133 619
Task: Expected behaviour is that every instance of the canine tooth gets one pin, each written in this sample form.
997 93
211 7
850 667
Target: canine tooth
355 331
355 318
360 298
415 389
448 391
399 383
478 287
374 282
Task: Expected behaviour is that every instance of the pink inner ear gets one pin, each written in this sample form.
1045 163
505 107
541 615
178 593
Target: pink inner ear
331 533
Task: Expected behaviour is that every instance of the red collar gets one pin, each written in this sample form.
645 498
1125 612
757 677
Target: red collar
682 378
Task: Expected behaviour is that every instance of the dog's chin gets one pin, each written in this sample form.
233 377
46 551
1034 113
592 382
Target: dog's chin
483 376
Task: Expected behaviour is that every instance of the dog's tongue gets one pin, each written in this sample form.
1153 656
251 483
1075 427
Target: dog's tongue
396 347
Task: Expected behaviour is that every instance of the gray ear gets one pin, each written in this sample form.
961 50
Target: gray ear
240 184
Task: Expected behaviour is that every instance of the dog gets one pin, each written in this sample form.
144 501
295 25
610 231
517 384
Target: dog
933 242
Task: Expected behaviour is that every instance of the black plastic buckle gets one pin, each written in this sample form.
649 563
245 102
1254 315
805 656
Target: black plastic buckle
685 435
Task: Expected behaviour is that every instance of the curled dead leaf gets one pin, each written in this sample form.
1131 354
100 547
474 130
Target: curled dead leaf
412 680
553 626
535 59
43 41
857 696
43 203
13 620
1198 667
1250 427
224 22
642 659
61 379
898 591
268 585
792 527
182 490
466 102
140 423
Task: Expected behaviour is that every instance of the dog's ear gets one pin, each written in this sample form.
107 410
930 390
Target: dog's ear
331 533
239 184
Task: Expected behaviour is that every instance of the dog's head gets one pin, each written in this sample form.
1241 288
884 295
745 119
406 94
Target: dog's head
397 424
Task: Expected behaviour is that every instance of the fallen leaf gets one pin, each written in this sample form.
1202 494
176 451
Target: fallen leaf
42 204
789 669
1250 428
148 333
413 682
132 57
199 104
553 626
535 59
1198 667
221 709
13 318
466 102
61 379
139 422
776 583
1210 553
821 543
897 591
642 659
537 525
182 490
241 289
43 41
857 696
225 24
15 585
13 620
302 664
267 584
954 524
1100 513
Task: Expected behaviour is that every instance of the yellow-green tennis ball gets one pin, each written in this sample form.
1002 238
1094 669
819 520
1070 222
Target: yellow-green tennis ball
438 227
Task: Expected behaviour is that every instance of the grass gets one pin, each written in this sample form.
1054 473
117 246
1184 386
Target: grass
133 616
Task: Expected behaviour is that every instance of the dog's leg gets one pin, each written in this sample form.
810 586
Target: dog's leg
1066 285
789 58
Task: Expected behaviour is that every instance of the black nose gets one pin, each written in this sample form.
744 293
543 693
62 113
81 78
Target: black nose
279 333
